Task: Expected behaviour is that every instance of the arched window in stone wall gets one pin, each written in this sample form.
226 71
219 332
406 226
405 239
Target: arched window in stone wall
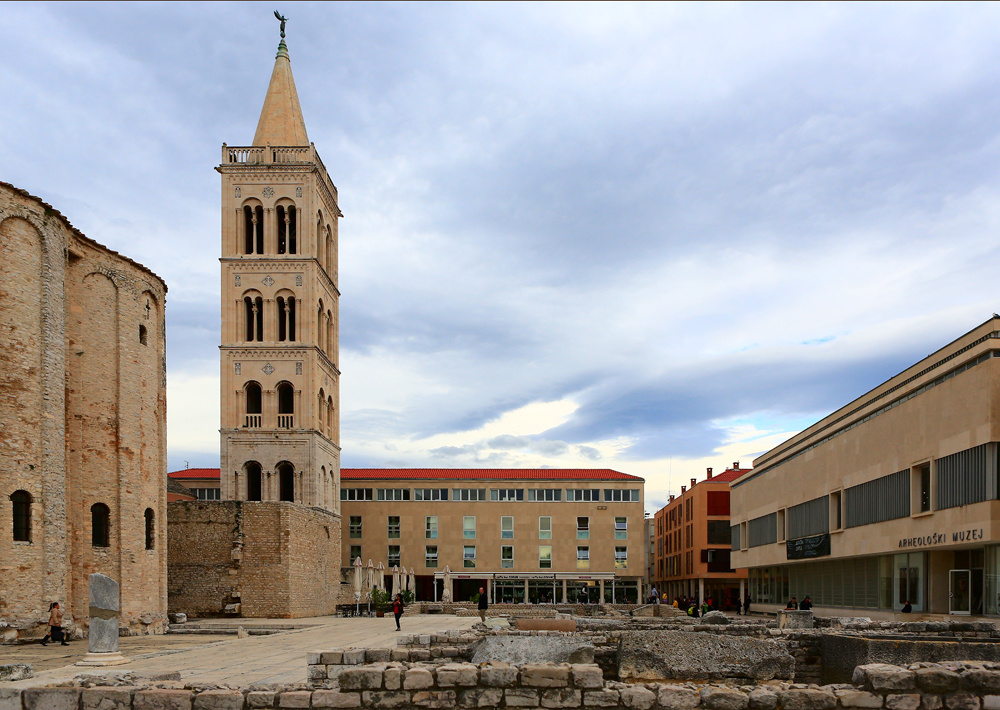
322 406
253 317
286 482
286 405
252 470
252 393
320 239
286 317
21 501
329 251
320 328
329 417
150 529
100 525
329 333
253 229
286 215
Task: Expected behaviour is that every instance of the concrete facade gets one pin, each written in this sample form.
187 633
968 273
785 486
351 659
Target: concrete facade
82 423
892 498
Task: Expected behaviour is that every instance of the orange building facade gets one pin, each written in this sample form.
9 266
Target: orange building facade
693 545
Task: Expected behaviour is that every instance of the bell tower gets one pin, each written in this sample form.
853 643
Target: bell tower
280 418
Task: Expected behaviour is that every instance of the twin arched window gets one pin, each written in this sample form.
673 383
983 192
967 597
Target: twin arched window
255 477
253 229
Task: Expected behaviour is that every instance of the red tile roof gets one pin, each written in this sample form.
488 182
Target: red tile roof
196 473
730 474
488 474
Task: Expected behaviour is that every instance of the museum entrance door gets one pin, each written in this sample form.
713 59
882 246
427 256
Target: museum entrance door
959 591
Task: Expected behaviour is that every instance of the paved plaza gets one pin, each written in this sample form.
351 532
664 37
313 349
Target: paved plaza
227 660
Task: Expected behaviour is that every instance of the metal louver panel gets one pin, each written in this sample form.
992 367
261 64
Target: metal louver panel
809 518
885 498
762 530
967 477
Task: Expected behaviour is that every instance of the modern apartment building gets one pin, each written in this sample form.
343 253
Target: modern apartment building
693 542
891 499
525 535
202 482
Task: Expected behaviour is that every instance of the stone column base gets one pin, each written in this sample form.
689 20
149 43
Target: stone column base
103 659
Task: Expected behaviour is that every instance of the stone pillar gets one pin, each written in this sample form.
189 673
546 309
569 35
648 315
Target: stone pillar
526 591
105 611
564 591
701 591
742 591
602 591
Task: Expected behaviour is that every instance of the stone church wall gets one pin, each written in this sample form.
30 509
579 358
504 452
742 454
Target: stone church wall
273 559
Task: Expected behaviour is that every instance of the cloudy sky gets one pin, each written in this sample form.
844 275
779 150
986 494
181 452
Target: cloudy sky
653 238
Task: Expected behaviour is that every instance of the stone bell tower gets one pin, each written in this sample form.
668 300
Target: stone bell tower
280 425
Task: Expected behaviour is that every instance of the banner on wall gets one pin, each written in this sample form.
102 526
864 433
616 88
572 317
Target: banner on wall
807 547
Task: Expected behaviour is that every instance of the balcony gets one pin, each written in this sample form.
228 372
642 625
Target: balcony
286 421
253 421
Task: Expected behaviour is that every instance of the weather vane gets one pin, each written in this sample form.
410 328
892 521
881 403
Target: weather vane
283 20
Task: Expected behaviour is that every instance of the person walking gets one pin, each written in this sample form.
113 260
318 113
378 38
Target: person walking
654 596
397 609
55 626
483 605
746 605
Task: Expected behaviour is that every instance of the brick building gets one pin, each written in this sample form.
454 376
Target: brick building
693 542
82 424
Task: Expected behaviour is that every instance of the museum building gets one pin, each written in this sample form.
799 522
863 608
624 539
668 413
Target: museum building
888 500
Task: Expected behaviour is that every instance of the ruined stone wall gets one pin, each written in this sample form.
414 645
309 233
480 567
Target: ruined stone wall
277 560
82 420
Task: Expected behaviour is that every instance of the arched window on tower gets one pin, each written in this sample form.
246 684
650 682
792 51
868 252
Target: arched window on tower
100 525
322 406
253 397
286 406
329 417
253 230
320 240
252 471
286 229
253 318
150 529
329 252
320 328
286 482
329 334
21 501
286 318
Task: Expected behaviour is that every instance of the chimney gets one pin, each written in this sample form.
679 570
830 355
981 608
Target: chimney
693 482
709 471
683 490
736 465
672 498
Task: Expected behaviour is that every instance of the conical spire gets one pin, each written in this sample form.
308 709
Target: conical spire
281 118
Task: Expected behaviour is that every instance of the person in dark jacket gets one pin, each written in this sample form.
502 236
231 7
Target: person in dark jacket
806 604
746 605
397 609
483 604
907 608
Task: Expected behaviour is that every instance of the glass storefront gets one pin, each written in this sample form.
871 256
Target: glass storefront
508 591
624 592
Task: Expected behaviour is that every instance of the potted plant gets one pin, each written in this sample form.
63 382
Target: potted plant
380 599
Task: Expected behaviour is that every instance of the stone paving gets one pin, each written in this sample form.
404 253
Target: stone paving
275 658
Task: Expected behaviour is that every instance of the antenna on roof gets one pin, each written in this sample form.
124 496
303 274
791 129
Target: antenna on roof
187 465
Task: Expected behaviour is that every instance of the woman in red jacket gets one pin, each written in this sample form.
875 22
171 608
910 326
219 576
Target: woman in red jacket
397 609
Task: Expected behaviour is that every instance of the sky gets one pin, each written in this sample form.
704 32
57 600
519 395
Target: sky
653 238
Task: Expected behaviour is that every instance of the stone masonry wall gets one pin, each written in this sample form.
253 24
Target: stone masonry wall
261 559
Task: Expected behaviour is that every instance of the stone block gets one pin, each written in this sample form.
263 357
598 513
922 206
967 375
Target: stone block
561 698
51 698
858 698
360 678
219 700
902 701
335 699
937 680
764 699
260 699
333 657
931 702
404 640
294 699
670 655
545 675
715 698
587 675
606 698
107 698
434 698
385 698
315 673
376 655
419 654
457 674
424 639
15 671
399 655
161 699
637 696
520 650
392 678
886 678
417 678
480 698
807 699
353 656
962 700
982 682
676 697
498 676
521 698
10 699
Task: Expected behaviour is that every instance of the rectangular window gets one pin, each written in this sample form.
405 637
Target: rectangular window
924 478
507 557
355 552
621 528
764 530
430 494
717 502
805 519
506 527
544 557
431 556
355 526
469 556
431 527
583 558
207 493
469 494
393 556
583 494
621 558
355 493
583 528
393 494
507 494
545 494
469 527
719 532
617 495
966 477
393 527
545 527
876 501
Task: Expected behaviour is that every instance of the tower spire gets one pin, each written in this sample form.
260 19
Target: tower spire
281 121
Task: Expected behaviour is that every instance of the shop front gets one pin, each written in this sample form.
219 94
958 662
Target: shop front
527 588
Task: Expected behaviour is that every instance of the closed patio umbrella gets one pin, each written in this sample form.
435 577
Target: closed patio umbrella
369 582
358 581
412 586
381 577
395 580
